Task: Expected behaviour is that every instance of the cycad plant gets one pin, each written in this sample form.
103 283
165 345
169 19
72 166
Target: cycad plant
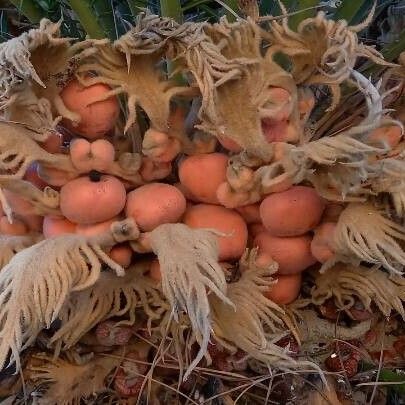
202 202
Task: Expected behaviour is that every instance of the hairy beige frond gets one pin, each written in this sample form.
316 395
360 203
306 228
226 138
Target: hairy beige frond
239 72
349 146
390 169
389 178
43 202
133 66
18 150
398 199
36 66
340 166
329 150
36 282
10 245
139 79
345 283
15 55
243 326
322 51
341 183
104 299
24 107
190 272
364 233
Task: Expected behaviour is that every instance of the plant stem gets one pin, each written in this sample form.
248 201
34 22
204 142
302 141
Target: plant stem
29 9
85 14
172 9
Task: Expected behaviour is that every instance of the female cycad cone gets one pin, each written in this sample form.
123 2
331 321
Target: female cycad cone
148 224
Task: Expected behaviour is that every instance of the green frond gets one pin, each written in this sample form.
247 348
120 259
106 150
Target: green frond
308 8
84 12
171 8
349 9
29 8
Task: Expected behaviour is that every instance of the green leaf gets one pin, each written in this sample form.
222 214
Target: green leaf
388 376
104 12
171 8
391 376
85 13
210 12
274 7
29 9
233 5
135 6
288 4
349 8
267 7
307 12
365 9
192 4
4 34
392 51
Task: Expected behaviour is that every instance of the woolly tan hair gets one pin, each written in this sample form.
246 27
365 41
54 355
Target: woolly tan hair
43 202
243 326
230 66
398 200
18 150
24 107
37 65
363 233
10 245
389 178
322 51
337 165
103 300
345 283
190 272
349 146
341 183
37 281
343 148
132 66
